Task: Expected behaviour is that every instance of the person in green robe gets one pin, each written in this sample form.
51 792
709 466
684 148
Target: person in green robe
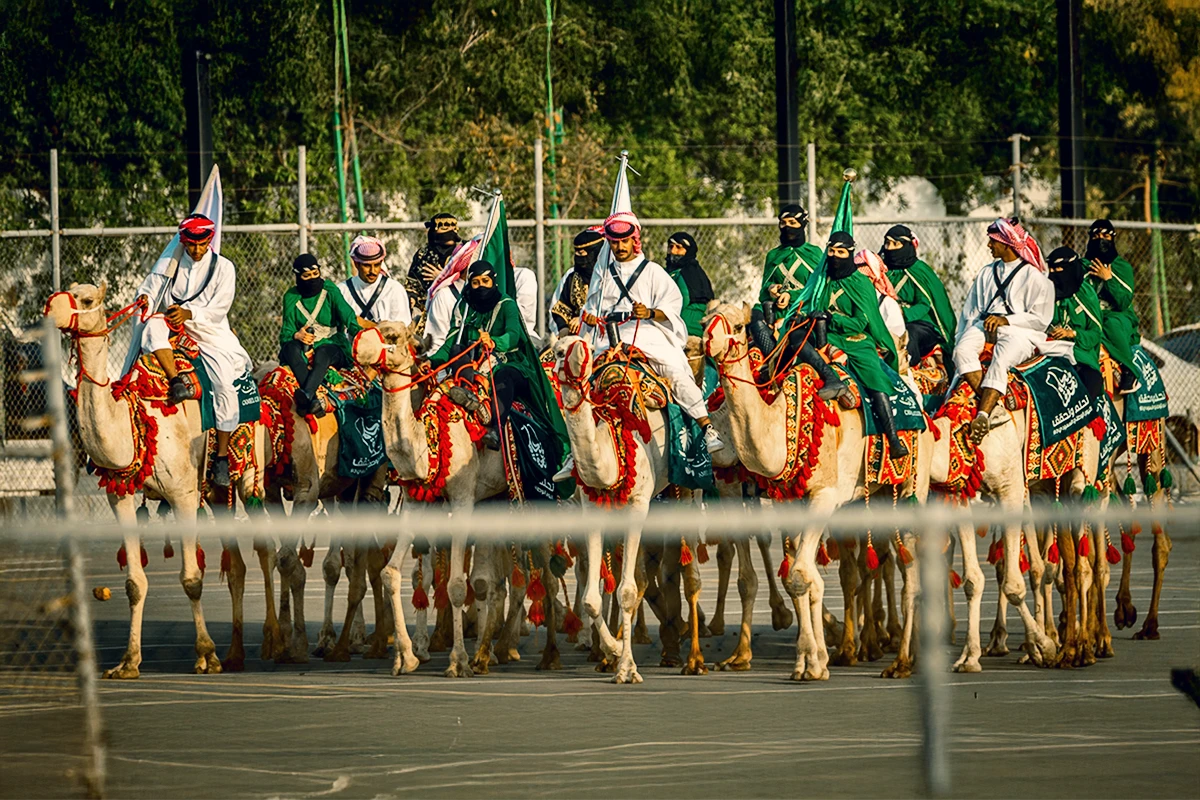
488 316
1076 317
692 280
1112 278
928 316
784 274
317 320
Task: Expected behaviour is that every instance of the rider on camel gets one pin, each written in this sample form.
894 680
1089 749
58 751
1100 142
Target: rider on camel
1075 330
928 316
786 271
371 292
1112 278
572 290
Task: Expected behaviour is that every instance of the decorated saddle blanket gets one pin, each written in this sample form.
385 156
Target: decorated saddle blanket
689 465
1060 402
1150 401
531 458
907 408
437 414
1114 436
360 433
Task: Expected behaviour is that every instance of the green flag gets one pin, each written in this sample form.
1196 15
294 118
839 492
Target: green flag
815 294
495 249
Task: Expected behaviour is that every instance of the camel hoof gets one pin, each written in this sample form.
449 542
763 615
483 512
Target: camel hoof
627 674
996 650
738 662
694 667
606 666
670 661
641 636
1149 631
336 655
1104 649
234 663
968 666
207 665
781 616
900 668
1087 657
272 646
378 649
583 646
549 662
716 627
1065 659
404 664
122 672
872 653
844 658
459 668
480 666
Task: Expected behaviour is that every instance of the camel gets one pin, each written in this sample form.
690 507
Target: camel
108 434
765 453
600 467
470 475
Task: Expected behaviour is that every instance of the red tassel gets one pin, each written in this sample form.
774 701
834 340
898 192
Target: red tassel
1023 562
1052 553
226 562
822 556
168 549
905 556
981 531
1135 528
537 614
122 559
572 549
419 598
831 546
1113 555
306 554
785 567
994 553
872 558
572 624
517 579
441 597
1084 548
702 553
1127 544
559 550
201 561
536 590
685 554
606 576
955 580
1156 529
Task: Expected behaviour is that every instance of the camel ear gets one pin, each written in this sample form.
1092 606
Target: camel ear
103 291
712 305
74 285
747 311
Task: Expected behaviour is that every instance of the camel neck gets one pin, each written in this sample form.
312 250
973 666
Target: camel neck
404 435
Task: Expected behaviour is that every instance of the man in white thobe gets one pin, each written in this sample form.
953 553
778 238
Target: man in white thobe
198 299
439 311
372 294
1010 302
527 297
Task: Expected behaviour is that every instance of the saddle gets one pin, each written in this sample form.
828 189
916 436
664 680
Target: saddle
627 369
148 382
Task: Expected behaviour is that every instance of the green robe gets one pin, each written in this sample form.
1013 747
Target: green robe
691 313
857 328
513 350
1081 313
335 314
923 298
1118 319
788 267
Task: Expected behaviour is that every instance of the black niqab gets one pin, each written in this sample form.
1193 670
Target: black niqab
904 257
838 267
1066 272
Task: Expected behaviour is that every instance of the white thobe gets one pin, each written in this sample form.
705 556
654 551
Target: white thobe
439 312
662 342
1030 296
527 296
209 300
893 315
390 306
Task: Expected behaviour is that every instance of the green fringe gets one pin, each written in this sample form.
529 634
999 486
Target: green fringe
254 501
1151 484
1090 495
1168 480
1130 487
911 500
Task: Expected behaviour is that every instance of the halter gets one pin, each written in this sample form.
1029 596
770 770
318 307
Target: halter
573 380
121 316
734 344
414 379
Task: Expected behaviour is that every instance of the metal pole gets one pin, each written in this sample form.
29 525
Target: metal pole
1070 109
64 498
539 236
787 112
1016 172
55 235
1156 245
935 705
812 191
302 194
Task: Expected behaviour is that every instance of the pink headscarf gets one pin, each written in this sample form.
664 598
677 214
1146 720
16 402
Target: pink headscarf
367 249
1011 233
456 265
623 225
871 264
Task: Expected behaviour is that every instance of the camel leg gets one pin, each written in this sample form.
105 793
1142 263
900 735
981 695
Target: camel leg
331 571
136 586
581 572
1036 645
872 611
235 657
812 659
951 619
290 564
355 560
1124 612
483 579
509 641
691 587
968 661
1161 553
1087 600
747 591
629 596
192 580
877 605
272 646
894 625
902 666
998 644
593 600
378 641
405 660
1103 573
781 615
848 574
421 641
551 657
1067 656
457 589
670 602
725 551
1037 575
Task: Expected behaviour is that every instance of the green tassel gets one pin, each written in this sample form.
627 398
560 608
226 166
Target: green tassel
911 500
254 501
1130 488
558 565
1090 495
1151 484
1168 480
1057 505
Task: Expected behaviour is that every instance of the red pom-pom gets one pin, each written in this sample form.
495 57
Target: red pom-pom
201 562
994 553
572 549
517 579
685 554
168 549
441 596
536 590
562 551
1127 544
1084 548
306 554
822 556
1135 528
1052 553
122 559
831 546
572 624
702 553
1113 555
981 531
419 598
226 562
537 614
785 567
606 577
905 556
872 558
955 580
1023 562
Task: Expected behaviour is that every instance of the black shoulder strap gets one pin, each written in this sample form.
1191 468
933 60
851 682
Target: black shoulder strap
365 309
1002 285
621 285
212 267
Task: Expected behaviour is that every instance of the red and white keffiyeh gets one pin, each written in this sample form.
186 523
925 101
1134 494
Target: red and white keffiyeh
871 264
1013 234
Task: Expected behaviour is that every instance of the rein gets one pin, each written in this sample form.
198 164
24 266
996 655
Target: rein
722 363
111 323
418 380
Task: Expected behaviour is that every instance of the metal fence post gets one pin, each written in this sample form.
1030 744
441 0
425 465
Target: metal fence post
55 241
64 496
302 194
934 664
812 191
1016 171
539 235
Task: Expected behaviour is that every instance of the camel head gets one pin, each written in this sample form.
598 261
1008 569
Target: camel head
725 331
388 347
80 309
573 361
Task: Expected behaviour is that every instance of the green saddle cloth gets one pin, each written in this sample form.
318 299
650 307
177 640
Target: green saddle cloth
907 408
1114 435
689 465
1150 401
1062 402
249 402
360 431
538 456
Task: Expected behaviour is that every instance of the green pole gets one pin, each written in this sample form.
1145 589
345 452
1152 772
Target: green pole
551 163
1156 244
358 190
338 152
